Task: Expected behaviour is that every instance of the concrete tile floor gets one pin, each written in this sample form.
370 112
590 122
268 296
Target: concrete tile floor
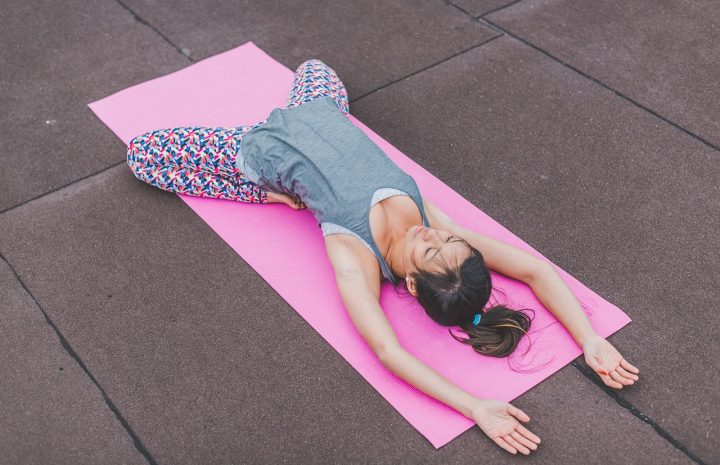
56 58
598 174
412 35
52 412
661 54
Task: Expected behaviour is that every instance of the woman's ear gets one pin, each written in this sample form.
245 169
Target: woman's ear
411 285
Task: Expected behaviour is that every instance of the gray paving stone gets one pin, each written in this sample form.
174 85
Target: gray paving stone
50 410
56 58
369 43
663 55
623 201
210 365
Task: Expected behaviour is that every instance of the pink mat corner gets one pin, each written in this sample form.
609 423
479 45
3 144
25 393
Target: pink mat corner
241 86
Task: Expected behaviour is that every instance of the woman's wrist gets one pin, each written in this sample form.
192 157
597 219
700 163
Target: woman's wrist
587 338
475 407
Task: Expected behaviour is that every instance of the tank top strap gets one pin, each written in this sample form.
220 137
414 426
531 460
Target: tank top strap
414 193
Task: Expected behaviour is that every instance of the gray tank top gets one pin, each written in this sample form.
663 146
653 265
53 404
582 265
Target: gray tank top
314 152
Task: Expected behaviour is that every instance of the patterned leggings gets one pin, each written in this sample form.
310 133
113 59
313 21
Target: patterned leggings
200 161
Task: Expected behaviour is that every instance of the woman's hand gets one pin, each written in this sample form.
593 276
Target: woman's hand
497 419
607 362
291 202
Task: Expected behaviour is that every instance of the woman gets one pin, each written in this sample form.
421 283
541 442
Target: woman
374 220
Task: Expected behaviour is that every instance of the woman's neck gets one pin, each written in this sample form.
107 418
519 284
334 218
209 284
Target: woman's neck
393 256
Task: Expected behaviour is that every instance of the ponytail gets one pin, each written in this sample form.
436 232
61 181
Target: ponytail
498 333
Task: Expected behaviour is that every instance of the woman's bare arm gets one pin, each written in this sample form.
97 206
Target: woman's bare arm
516 263
553 293
429 381
358 281
540 275
557 297
357 277
498 419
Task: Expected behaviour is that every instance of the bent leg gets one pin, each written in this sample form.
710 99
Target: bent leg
194 161
314 79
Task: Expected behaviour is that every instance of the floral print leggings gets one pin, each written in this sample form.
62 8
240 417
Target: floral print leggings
200 161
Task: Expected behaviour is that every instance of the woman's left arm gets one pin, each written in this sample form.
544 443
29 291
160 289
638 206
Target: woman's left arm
600 355
555 295
551 290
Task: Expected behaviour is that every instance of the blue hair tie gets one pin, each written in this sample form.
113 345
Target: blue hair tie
476 320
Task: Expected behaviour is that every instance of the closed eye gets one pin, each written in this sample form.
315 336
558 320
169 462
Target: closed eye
438 250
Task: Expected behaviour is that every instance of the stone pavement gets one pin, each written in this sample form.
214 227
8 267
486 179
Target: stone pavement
589 129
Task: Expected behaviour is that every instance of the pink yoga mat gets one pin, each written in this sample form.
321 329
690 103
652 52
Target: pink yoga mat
285 246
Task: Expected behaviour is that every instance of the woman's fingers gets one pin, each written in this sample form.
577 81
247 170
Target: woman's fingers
528 434
514 443
523 440
622 371
610 381
607 379
628 366
620 378
502 443
517 413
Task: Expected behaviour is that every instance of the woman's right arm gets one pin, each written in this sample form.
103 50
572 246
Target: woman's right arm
358 281
497 419
417 373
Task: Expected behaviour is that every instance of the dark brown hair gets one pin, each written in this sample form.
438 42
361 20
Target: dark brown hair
452 297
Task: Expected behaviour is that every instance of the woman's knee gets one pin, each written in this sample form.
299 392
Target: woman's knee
312 61
137 149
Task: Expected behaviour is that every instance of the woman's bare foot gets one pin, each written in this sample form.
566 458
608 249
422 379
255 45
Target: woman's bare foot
291 202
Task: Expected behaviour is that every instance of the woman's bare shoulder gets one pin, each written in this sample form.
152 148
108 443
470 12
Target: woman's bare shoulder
350 257
359 287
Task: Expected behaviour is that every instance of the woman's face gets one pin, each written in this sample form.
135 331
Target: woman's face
425 249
